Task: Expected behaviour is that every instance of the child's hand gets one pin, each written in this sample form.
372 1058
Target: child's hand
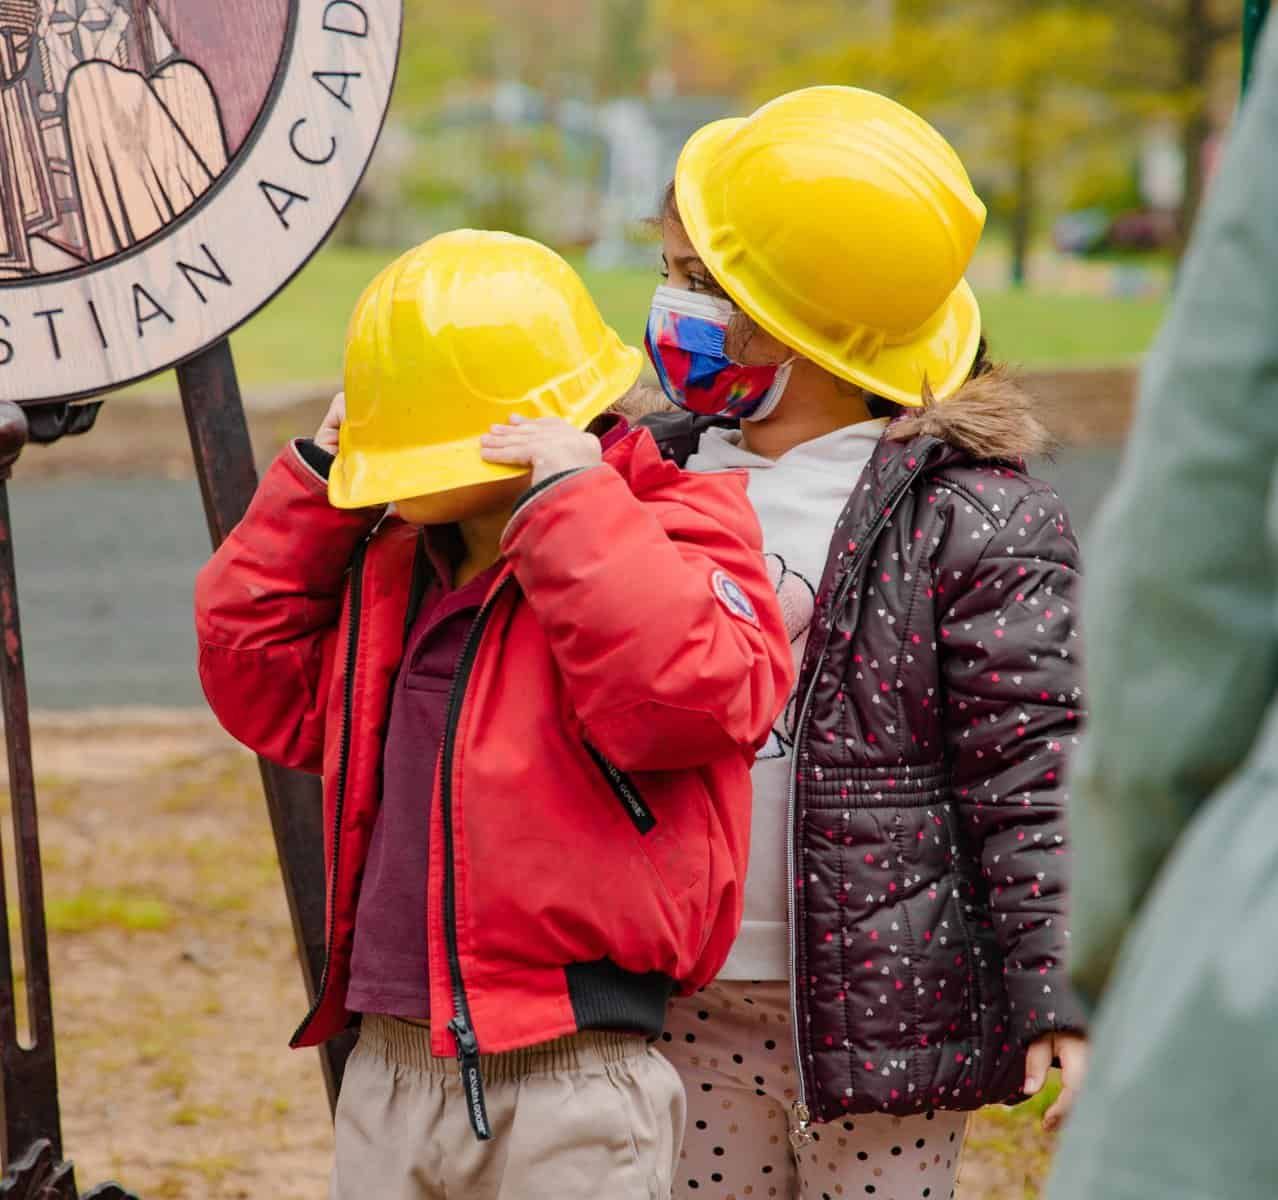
548 445
326 435
1072 1052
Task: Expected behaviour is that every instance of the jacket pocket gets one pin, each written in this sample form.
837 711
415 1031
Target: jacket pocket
623 787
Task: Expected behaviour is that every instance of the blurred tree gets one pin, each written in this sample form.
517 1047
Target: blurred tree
500 96
1025 87
442 44
626 51
1017 83
722 47
1171 49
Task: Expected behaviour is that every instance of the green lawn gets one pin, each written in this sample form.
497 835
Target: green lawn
298 339
1038 329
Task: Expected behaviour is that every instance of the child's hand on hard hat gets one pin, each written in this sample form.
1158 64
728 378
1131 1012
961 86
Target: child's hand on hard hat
548 445
326 435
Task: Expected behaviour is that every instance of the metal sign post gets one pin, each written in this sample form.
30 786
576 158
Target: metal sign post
228 479
119 259
30 1074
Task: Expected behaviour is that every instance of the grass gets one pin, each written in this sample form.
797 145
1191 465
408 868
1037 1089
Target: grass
1010 1146
1036 329
102 908
213 1167
298 339
92 909
195 1114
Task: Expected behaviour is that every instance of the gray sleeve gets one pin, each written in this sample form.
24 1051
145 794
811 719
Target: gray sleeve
1179 610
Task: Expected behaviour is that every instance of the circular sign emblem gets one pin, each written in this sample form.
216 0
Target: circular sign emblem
166 166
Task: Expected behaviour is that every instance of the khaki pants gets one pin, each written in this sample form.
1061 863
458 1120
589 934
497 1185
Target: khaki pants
591 1117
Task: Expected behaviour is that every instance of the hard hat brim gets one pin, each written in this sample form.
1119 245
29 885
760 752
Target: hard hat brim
374 478
941 352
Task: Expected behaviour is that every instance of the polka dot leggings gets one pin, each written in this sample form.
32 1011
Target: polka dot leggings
731 1044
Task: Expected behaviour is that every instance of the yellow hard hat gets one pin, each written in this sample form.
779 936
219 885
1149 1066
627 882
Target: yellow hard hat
842 223
454 336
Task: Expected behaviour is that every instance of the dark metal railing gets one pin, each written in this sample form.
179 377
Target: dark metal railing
31 1130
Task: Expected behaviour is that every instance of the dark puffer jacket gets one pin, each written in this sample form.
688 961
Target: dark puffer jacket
939 698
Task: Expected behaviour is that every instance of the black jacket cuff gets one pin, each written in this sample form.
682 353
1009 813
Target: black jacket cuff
318 459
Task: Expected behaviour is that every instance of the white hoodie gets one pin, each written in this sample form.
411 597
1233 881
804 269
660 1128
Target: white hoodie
798 499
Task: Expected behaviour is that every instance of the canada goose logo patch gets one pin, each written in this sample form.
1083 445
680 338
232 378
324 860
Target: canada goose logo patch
732 596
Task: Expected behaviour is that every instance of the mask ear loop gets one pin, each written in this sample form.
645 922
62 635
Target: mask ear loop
768 405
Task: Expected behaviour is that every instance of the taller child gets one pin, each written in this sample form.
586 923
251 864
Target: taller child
534 690
902 959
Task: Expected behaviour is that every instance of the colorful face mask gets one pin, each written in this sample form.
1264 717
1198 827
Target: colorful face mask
685 342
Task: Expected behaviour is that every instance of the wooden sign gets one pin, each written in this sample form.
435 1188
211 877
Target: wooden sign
166 166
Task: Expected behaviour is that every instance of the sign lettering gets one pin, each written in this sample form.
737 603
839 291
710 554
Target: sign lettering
118 257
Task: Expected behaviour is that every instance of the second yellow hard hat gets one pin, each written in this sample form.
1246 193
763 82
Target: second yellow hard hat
842 223
460 333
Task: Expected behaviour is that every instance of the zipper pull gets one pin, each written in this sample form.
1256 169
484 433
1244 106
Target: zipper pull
471 1076
800 1127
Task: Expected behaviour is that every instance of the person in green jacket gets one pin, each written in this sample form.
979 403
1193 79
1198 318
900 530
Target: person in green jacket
1175 813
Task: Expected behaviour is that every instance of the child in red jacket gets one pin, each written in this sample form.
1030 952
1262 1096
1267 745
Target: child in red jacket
534 686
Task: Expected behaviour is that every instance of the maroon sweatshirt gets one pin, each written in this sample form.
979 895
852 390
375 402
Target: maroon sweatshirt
389 963
388 960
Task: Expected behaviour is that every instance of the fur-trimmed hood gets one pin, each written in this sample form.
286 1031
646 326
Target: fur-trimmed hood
991 417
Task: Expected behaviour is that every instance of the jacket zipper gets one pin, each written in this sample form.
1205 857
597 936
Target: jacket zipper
343 762
460 1026
623 787
800 1128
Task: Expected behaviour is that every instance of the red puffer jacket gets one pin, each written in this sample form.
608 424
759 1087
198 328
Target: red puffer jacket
592 801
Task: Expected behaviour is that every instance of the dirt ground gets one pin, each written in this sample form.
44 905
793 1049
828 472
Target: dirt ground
175 983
